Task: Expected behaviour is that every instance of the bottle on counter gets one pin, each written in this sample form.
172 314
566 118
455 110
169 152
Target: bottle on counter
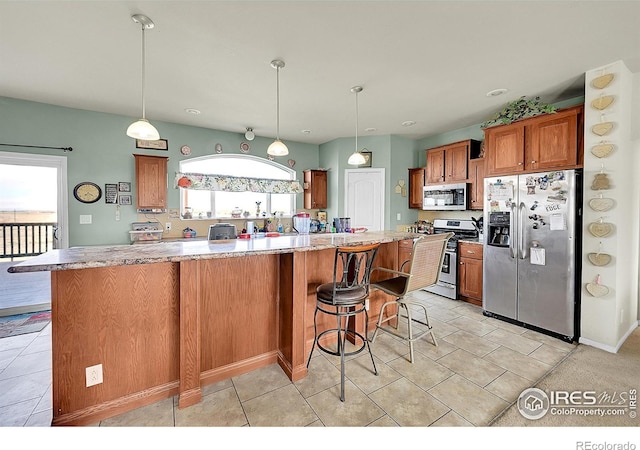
280 227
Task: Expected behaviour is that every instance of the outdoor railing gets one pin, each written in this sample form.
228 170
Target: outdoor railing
26 239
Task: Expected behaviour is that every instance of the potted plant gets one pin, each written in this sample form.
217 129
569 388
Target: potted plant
519 109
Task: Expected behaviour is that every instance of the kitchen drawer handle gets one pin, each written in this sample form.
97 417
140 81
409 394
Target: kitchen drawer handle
471 251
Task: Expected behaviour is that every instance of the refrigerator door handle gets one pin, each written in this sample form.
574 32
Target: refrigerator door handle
512 243
521 230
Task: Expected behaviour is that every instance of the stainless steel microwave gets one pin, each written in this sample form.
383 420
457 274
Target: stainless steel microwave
445 197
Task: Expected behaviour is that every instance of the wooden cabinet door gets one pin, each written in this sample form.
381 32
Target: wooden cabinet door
471 278
504 149
435 170
552 141
315 189
456 159
416 183
405 247
476 178
151 182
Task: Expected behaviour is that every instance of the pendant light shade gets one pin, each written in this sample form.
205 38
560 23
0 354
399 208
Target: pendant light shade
142 129
356 157
277 148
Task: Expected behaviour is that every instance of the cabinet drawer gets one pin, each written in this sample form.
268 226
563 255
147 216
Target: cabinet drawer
406 243
470 250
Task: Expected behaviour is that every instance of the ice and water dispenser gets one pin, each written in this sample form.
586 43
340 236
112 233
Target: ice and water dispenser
499 229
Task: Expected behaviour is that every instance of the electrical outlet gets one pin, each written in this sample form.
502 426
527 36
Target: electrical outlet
85 219
167 226
399 217
94 375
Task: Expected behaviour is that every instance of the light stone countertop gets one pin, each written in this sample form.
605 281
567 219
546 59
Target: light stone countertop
184 250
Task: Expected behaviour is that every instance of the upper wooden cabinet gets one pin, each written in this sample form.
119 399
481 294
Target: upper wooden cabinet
315 189
448 164
550 141
416 183
151 182
476 181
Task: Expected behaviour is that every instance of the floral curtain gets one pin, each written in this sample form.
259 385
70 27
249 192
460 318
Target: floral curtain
227 183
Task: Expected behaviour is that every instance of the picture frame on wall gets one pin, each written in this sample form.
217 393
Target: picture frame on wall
367 159
124 186
160 144
124 199
111 193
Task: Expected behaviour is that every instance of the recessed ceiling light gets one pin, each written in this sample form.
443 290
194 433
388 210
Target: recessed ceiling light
370 129
496 92
305 131
408 123
192 111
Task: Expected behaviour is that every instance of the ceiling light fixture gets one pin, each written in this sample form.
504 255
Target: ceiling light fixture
249 135
496 92
192 111
408 123
356 157
277 147
142 129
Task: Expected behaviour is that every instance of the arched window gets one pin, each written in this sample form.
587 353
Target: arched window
221 204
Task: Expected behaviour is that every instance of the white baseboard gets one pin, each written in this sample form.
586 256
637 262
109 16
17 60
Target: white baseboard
609 348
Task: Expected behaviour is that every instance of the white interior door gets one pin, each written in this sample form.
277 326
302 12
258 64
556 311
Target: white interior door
364 198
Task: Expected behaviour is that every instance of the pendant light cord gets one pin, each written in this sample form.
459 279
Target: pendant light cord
356 121
278 102
143 72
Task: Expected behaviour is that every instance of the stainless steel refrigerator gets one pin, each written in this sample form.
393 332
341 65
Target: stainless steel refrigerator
532 250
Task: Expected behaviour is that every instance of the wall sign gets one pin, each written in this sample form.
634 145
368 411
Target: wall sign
111 193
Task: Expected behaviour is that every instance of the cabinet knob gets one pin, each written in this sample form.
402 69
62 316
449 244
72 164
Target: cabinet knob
520 163
533 162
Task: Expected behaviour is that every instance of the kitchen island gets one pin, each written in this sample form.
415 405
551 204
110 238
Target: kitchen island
168 318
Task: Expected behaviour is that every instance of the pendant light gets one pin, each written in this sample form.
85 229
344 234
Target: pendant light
277 148
142 129
356 157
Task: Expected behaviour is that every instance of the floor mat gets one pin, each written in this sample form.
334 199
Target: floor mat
24 323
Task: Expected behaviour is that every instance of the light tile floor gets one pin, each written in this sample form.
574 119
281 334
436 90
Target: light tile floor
478 369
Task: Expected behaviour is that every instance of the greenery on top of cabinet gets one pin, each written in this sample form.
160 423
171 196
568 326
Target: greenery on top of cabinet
519 109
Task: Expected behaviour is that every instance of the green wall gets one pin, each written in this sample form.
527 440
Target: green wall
102 153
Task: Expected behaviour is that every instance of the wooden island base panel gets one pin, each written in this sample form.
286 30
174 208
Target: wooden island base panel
168 318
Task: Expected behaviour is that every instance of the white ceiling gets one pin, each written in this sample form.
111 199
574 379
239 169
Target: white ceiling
427 61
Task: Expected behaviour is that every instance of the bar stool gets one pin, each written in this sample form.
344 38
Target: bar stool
345 297
426 260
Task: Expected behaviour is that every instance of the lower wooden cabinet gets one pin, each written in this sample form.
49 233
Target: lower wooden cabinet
470 272
405 248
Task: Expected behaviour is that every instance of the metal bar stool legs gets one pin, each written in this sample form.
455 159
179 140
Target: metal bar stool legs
410 337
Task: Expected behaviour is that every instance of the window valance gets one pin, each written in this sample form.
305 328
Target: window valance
211 182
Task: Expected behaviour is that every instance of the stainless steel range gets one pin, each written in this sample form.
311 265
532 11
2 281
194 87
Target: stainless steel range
447 286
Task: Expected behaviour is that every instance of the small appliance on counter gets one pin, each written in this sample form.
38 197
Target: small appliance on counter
342 224
302 223
145 232
219 231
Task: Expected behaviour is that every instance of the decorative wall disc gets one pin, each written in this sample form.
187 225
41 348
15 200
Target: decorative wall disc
602 128
218 148
291 162
599 259
601 204
600 229
602 150
603 81
603 102
600 182
245 147
597 290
